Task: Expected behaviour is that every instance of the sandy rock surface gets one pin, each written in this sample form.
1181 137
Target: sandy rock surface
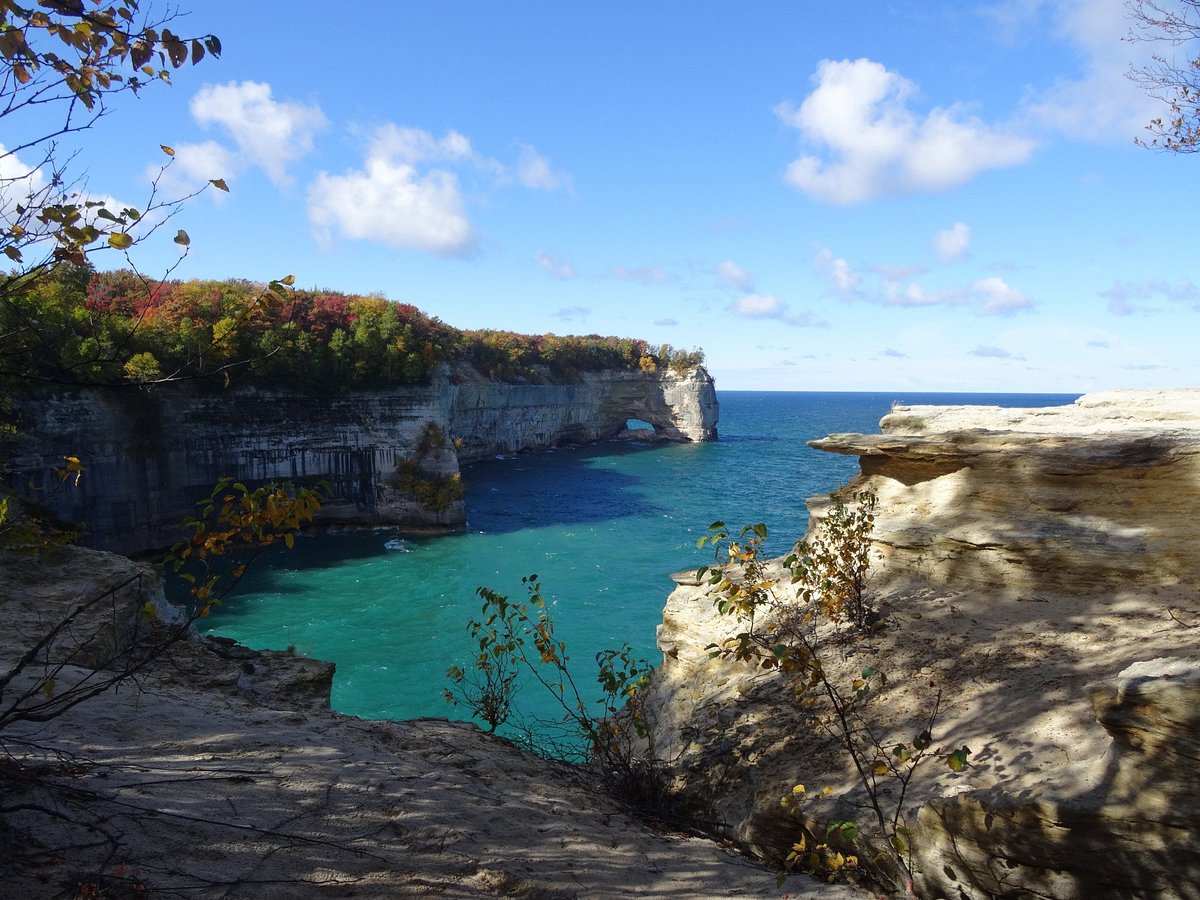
1021 557
219 773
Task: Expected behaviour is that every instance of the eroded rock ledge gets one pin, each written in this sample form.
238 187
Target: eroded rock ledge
1078 498
150 455
221 772
1041 570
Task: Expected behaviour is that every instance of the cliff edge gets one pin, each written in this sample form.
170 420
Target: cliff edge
1035 569
391 457
222 772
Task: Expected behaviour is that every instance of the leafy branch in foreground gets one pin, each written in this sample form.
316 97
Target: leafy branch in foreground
518 637
106 640
109 637
1176 84
792 629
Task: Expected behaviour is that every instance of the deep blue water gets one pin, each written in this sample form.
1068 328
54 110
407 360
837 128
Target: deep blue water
602 527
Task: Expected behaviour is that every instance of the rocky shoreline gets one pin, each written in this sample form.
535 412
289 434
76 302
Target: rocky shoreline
1029 565
1038 570
222 772
388 457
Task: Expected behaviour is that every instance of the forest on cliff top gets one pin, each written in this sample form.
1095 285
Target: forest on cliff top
79 326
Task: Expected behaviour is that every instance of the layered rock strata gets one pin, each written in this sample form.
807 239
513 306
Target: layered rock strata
1019 558
1078 498
151 455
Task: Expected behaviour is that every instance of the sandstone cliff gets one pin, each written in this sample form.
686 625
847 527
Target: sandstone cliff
150 455
1023 561
1079 498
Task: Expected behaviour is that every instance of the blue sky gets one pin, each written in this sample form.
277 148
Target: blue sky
875 196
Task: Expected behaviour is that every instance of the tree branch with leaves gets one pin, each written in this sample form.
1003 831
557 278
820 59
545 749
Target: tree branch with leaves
1176 83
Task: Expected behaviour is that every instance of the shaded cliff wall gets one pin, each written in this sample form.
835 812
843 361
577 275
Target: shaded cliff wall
151 455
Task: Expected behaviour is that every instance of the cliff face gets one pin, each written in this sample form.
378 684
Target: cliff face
492 417
150 455
1076 498
1027 564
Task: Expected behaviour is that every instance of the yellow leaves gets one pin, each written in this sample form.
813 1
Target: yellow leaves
48 688
170 151
957 761
73 467
237 519
219 184
149 613
120 240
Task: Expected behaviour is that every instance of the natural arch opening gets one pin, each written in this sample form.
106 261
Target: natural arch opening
639 425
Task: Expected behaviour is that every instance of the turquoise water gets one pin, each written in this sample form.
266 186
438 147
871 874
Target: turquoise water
601 526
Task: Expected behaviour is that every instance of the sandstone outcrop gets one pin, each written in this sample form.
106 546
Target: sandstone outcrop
1121 826
221 772
151 455
1077 498
1020 557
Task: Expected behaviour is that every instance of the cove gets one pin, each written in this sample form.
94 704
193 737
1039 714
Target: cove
602 527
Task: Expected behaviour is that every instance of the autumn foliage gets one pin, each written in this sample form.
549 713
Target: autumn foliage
118 327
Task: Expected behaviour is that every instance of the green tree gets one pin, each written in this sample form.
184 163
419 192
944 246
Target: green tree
1176 83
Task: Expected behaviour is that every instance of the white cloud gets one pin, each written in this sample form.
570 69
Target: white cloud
270 134
201 162
758 306
913 294
666 322
953 243
892 287
535 171
898 273
415 145
874 145
999 298
1126 298
732 275
408 193
18 182
992 352
1101 102
557 266
390 202
844 278
573 313
768 306
194 165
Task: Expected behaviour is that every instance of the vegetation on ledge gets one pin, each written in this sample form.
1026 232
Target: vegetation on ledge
78 326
